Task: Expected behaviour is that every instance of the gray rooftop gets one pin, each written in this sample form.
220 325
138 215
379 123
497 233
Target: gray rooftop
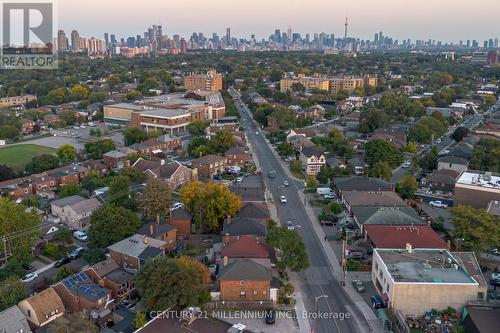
373 198
135 245
13 320
68 201
387 215
424 266
245 269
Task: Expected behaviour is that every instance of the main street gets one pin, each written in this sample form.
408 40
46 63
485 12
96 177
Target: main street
318 279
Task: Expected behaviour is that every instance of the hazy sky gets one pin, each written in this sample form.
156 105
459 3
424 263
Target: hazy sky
437 19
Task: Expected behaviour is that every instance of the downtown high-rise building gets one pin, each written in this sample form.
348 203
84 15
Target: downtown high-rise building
75 40
62 41
228 36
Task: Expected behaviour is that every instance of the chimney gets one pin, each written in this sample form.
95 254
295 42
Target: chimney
228 219
151 229
145 240
225 261
162 162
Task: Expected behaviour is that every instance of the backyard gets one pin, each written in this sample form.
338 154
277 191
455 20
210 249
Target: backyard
18 156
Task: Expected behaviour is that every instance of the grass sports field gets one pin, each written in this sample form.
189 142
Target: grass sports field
19 155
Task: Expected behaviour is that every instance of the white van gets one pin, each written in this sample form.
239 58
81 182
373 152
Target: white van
80 235
325 191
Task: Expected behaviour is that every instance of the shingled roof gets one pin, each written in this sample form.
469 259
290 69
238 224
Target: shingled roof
245 269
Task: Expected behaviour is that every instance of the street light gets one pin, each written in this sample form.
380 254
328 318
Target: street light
317 310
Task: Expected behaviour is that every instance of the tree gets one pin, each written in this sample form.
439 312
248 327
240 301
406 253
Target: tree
222 141
324 175
311 182
427 128
167 282
69 189
298 87
9 132
12 291
430 161
97 96
79 92
134 135
209 203
197 127
199 146
66 153
296 166
92 181
6 173
96 149
72 322
381 150
113 81
95 132
460 133
285 149
371 119
407 187
291 246
133 95
62 273
63 235
56 96
133 174
479 230
380 169
486 155
139 320
156 200
119 192
335 207
42 162
110 224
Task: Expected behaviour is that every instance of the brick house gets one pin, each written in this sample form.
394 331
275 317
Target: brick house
160 231
75 210
27 125
115 160
443 180
109 275
42 308
157 144
79 293
181 219
209 165
174 173
244 280
237 156
134 251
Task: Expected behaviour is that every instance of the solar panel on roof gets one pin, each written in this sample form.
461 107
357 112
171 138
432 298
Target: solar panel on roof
68 283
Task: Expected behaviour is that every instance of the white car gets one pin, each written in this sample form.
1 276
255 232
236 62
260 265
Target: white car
283 199
290 225
239 179
407 164
257 133
29 277
80 235
329 196
83 127
177 205
438 204
285 183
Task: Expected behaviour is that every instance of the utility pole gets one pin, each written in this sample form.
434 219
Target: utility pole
344 262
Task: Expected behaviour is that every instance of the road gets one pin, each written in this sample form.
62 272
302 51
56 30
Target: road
318 279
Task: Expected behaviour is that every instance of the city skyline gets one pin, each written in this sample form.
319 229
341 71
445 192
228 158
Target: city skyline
444 21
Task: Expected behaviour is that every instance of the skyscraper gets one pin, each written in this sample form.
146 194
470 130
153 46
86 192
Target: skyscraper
113 38
228 36
75 40
106 38
289 33
62 41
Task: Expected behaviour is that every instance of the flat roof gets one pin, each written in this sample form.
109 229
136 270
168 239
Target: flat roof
424 266
478 180
166 113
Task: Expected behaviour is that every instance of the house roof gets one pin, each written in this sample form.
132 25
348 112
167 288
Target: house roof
104 267
396 237
181 214
361 184
68 201
373 198
119 276
45 302
444 176
135 245
80 285
485 319
253 210
156 168
453 160
158 229
235 151
245 269
312 151
13 320
207 159
115 154
246 247
245 226
387 215
87 205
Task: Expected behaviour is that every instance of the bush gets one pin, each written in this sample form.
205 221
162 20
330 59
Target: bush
335 208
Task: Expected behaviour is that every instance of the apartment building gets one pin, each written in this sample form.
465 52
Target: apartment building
476 189
308 82
16 100
332 84
210 80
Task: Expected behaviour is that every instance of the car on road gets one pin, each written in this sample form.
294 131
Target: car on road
407 164
327 223
438 204
177 205
283 199
76 253
290 225
438 141
239 179
257 133
285 183
29 277
80 235
62 261
270 317
377 302
358 285
83 127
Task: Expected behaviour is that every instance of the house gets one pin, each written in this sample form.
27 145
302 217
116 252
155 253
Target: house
463 150
134 251
109 275
346 184
245 280
250 189
13 320
406 216
335 162
353 199
248 221
181 219
315 112
299 142
173 173
237 156
484 318
256 98
157 145
209 165
456 163
313 159
357 164
115 160
42 308
445 112
414 281
443 180
27 125
79 293
160 231
51 119
476 189
75 211
384 236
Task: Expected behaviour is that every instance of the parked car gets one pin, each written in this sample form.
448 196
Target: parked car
377 302
285 183
80 235
270 317
438 204
345 225
76 253
355 255
29 277
407 164
283 199
290 225
239 179
358 285
327 223
62 261
177 205
329 196
28 266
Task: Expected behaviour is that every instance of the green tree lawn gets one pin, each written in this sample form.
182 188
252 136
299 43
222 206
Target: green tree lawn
18 156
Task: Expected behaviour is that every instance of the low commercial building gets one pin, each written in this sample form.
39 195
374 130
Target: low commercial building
413 281
477 189
397 236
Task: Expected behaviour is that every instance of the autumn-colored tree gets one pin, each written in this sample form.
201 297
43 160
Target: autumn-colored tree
156 200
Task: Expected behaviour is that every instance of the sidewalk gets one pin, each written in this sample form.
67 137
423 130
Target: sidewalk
300 308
